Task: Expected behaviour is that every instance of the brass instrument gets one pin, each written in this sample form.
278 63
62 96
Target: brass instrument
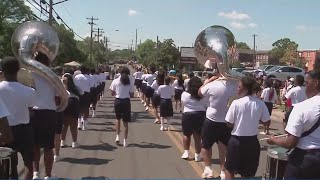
29 39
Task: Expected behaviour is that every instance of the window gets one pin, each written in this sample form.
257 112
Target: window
296 70
285 69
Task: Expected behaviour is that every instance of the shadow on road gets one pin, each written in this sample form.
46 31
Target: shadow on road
102 123
86 161
149 145
100 177
99 147
107 129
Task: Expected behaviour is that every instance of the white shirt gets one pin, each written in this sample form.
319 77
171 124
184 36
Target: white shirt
165 91
186 83
149 78
82 82
3 110
192 104
91 80
116 76
266 93
18 99
296 94
138 75
219 92
245 113
103 77
303 116
155 85
122 91
45 92
176 85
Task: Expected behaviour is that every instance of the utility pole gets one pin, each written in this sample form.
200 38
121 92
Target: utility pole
105 40
254 48
140 41
51 4
100 32
135 49
91 23
157 52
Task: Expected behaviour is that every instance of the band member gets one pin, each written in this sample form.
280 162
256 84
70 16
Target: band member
186 81
138 81
144 88
166 92
84 85
44 120
149 91
244 115
123 89
18 99
57 138
72 112
178 90
6 136
214 128
304 134
94 91
103 78
194 114
270 97
156 98
296 95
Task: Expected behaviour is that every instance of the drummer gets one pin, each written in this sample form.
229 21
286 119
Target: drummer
304 134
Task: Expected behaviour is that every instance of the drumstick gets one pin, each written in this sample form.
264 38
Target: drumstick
282 135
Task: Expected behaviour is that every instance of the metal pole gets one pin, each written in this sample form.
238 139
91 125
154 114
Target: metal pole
157 52
136 40
254 49
50 12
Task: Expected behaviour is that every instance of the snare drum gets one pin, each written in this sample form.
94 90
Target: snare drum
277 158
5 162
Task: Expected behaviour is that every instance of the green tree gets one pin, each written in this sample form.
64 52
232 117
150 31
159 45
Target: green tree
284 51
242 45
168 54
146 52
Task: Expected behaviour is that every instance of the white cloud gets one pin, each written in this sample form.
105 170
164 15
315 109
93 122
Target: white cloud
252 25
238 25
306 28
132 12
234 15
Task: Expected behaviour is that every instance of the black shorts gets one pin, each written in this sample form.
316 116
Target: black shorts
94 95
138 83
103 86
269 106
149 92
213 132
286 116
43 123
23 143
59 122
73 108
177 94
303 164
166 109
155 100
85 100
144 88
122 108
192 122
243 155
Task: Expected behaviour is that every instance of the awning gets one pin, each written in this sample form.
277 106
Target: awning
73 64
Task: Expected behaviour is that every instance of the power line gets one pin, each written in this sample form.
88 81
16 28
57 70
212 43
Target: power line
37 9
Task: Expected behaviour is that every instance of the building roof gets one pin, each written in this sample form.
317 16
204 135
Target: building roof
187 52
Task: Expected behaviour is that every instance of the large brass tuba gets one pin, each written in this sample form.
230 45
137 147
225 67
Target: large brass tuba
29 39
217 44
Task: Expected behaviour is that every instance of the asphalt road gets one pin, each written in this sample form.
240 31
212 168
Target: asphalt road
151 153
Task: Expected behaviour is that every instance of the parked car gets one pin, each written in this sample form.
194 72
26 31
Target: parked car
282 72
266 67
239 69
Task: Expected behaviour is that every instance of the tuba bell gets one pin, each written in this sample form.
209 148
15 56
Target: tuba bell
217 45
29 39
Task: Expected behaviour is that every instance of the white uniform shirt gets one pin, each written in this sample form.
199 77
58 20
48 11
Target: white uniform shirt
103 77
122 91
46 93
296 94
116 76
245 113
82 82
266 93
91 80
191 104
137 75
186 82
155 86
303 116
165 91
3 109
176 85
18 99
218 92
149 78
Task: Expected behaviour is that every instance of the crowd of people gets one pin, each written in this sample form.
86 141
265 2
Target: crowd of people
209 116
29 117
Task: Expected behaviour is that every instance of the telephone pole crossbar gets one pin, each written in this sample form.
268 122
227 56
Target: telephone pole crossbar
91 23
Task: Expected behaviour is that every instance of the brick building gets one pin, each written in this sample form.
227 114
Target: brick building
310 57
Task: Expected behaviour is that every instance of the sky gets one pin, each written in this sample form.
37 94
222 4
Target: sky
183 20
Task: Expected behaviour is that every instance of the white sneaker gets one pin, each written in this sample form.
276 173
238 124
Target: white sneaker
207 174
142 101
117 139
56 158
75 145
79 123
185 155
125 143
222 175
36 175
84 125
145 104
197 157
93 114
52 177
162 128
147 108
63 143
